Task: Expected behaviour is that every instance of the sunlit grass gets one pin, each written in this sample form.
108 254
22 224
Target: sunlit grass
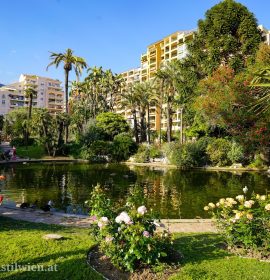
204 258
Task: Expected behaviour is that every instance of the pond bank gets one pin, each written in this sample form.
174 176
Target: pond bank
207 168
146 164
56 159
38 216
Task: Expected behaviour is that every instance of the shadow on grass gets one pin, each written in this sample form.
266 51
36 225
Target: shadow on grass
76 269
199 247
7 224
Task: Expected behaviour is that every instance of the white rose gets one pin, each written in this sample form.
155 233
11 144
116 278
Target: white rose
142 210
118 219
267 207
240 198
211 205
249 203
104 220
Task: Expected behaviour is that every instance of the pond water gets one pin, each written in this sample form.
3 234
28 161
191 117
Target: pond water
170 192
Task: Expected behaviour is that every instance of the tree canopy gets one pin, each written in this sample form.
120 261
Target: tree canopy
227 36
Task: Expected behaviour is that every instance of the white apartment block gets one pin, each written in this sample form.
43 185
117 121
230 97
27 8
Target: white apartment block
49 94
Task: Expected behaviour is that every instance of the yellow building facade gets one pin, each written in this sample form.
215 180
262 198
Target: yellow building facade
171 47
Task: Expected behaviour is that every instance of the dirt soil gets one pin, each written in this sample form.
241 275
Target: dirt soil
102 264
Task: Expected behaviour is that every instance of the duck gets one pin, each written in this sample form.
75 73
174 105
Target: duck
34 205
47 207
24 205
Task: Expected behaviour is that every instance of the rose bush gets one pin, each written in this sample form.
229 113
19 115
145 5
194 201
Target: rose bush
129 237
245 223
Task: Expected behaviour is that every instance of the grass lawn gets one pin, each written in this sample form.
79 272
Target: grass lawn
33 152
22 243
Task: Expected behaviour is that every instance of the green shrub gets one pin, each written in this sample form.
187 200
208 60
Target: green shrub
92 134
20 142
244 222
73 149
258 162
98 151
236 154
218 151
187 155
143 154
112 124
155 151
35 152
128 237
122 147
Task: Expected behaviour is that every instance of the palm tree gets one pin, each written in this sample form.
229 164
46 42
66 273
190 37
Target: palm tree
129 101
261 81
166 77
29 93
147 97
171 84
69 60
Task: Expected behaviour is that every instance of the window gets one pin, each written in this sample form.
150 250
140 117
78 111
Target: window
3 96
41 98
3 101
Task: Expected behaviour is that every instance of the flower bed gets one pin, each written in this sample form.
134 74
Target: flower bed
244 223
129 236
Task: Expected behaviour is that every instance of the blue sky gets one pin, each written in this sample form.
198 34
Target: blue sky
108 33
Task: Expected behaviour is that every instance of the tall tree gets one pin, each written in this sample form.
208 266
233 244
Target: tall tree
69 60
168 76
29 93
129 101
147 97
227 36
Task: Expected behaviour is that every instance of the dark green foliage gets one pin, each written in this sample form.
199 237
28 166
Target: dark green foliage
93 133
218 151
122 147
155 151
143 154
20 142
16 123
236 154
112 124
98 151
228 35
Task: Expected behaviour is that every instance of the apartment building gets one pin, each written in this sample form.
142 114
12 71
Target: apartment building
171 47
49 94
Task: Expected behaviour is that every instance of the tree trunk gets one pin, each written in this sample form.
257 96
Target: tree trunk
135 126
148 124
169 122
181 125
143 130
27 134
160 125
66 92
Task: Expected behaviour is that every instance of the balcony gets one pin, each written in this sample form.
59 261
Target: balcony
173 39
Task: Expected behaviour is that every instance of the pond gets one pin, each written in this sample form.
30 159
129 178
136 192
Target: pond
170 192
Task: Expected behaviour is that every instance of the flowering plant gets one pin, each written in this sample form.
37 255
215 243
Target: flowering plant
244 222
128 236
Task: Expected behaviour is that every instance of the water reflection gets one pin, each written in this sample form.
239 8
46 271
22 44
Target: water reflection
170 192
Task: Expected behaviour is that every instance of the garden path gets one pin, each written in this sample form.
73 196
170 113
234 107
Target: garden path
38 216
